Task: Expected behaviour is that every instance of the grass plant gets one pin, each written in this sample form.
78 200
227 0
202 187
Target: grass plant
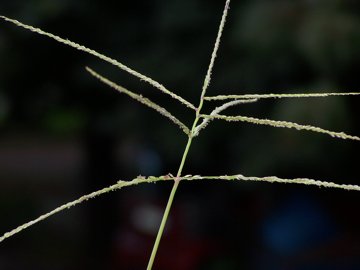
200 122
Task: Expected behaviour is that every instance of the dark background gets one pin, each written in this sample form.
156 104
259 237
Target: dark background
64 134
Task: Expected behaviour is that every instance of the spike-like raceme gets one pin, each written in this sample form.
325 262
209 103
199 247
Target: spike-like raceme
275 179
219 109
141 99
214 53
102 57
262 96
68 205
153 179
281 124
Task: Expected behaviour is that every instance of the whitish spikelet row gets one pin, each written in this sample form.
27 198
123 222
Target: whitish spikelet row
282 124
218 110
153 179
261 96
141 99
102 57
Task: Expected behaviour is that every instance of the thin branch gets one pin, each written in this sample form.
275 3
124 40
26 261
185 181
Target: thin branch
275 179
154 179
219 109
215 50
92 195
102 57
261 96
141 99
282 124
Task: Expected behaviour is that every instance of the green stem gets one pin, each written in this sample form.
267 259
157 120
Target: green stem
168 206
191 136
175 186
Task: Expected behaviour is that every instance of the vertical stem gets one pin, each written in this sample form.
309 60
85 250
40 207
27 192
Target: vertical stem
168 206
162 225
191 136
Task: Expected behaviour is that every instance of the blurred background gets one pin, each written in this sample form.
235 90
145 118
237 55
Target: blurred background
64 134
